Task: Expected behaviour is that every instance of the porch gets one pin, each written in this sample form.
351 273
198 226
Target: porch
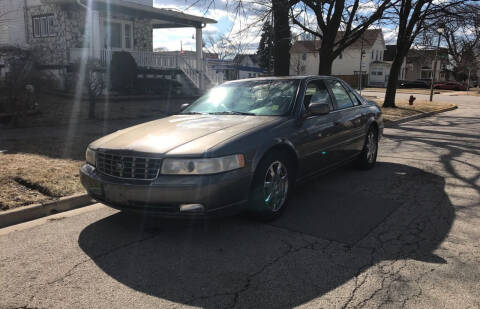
126 25
198 72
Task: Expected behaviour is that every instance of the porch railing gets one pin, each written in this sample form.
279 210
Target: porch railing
145 59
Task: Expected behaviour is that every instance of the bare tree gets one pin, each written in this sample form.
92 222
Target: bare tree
297 65
95 85
412 17
226 47
352 17
462 37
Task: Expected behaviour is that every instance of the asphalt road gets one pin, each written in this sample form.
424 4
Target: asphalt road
405 234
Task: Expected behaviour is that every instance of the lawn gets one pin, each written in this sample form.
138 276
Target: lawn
403 109
31 178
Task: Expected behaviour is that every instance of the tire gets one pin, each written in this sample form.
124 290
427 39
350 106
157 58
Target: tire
267 202
368 157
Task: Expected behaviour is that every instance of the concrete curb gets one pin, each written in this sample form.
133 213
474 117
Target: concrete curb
35 211
393 123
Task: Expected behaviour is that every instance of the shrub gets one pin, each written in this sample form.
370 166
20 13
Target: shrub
20 83
123 72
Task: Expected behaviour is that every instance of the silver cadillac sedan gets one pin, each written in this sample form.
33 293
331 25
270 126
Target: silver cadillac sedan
242 146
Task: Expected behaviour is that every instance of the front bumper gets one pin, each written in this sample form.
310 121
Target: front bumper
219 194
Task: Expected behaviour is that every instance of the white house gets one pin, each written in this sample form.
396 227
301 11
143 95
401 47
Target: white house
305 59
246 66
63 31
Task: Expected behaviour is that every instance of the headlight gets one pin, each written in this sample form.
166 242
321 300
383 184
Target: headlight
90 156
202 166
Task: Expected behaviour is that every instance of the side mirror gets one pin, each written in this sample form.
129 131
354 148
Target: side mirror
319 108
184 106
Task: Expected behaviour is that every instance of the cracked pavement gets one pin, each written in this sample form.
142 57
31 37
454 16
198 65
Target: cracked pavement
404 234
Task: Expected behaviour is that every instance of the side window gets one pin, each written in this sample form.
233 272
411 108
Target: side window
356 101
318 91
342 98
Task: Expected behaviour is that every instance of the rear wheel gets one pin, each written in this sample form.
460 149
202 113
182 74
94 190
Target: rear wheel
368 156
271 186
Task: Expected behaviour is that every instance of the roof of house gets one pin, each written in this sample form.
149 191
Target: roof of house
187 53
418 53
390 52
165 17
240 57
367 39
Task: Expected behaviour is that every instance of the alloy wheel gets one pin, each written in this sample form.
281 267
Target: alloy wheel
371 146
276 186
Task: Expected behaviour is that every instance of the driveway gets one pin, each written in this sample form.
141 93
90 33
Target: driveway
404 234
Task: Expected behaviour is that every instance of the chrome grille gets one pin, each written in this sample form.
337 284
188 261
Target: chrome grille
129 167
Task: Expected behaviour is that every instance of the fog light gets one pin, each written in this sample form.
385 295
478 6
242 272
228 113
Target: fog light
191 208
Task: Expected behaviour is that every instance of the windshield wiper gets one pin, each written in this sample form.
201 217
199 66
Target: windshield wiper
232 113
192 113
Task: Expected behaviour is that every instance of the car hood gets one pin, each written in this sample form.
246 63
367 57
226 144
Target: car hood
181 134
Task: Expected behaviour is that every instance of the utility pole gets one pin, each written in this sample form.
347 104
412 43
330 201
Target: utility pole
434 71
468 82
360 75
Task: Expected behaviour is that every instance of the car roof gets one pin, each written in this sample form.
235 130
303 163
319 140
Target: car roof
302 77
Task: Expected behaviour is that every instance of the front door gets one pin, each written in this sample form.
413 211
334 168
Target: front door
117 35
319 135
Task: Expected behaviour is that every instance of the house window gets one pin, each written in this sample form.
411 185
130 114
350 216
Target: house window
43 26
128 36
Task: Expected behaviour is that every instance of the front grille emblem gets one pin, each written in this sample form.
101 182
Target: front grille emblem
119 166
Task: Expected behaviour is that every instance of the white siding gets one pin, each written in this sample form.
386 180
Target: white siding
12 28
304 64
307 64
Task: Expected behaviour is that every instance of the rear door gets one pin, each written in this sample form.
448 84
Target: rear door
350 120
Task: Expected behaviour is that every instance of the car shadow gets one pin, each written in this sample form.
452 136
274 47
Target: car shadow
335 228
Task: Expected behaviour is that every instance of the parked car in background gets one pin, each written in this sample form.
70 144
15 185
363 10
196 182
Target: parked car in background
243 145
450 86
414 84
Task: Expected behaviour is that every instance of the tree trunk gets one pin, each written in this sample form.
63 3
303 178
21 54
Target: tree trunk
393 78
326 51
281 30
325 65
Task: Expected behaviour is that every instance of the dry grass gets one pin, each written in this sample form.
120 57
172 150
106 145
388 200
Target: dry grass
403 109
55 110
31 178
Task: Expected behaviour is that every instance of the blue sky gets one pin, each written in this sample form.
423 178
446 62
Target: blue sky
170 38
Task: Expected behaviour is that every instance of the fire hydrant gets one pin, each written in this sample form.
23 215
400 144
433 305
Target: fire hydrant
411 100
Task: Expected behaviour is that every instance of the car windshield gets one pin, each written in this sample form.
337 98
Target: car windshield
253 97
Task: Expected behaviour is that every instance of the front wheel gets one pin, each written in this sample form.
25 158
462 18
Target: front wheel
368 156
271 187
